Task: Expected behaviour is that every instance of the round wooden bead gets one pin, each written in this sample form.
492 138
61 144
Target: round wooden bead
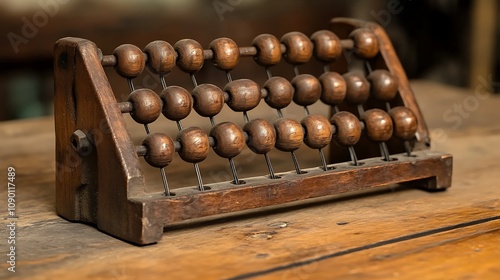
177 103
130 61
378 125
289 134
307 89
318 131
279 92
194 144
208 100
357 88
261 136
229 139
190 55
226 53
268 50
327 45
244 95
298 47
365 42
333 88
384 85
146 105
160 149
161 57
405 122
347 128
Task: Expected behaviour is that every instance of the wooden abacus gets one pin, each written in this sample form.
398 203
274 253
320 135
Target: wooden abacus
379 133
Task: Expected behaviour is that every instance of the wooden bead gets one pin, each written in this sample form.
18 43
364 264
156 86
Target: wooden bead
161 57
298 47
365 43
229 139
226 53
146 105
347 128
130 61
160 149
190 55
357 88
244 95
384 85
333 88
289 134
327 45
208 100
261 136
268 50
318 131
378 125
177 103
307 89
194 144
279 92
405 122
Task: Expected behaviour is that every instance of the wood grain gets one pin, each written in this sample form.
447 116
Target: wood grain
53 248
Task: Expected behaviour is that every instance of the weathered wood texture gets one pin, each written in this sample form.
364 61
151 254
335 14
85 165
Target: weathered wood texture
394 233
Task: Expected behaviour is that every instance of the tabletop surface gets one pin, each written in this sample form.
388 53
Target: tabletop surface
389 233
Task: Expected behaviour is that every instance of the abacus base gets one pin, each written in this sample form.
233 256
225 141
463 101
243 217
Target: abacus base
152 212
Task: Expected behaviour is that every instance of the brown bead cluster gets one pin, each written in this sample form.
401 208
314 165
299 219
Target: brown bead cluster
261 136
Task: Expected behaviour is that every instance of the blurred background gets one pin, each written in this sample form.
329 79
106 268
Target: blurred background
449 41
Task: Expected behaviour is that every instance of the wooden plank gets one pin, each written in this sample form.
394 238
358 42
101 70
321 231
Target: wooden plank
52 248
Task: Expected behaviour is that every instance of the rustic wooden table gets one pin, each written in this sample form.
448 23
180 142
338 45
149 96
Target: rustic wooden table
392 232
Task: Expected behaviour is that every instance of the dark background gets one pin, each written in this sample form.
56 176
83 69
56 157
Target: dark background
436 40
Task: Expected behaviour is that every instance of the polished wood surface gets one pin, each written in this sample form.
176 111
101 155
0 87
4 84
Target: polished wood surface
393 233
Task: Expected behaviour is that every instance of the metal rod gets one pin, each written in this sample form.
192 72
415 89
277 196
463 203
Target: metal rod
236 181
165 183
228 75
269 166
198 176
354 158
245 117
408 148
193 78
295 163
163 82
323 160
296 70
384 151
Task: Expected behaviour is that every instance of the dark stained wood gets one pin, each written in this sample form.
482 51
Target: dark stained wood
268 49
130 61
261 135
226 53
229 139
384 85
404 122
147 213
302 240
161 57
307 89
327 46
333 88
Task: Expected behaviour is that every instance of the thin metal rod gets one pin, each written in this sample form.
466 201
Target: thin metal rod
245 117
326 67
384 151
269 73
323 160
368 66
193 78
269 166
408 148
198 176
236 181
354 158
179 125
387 106
165 183
228 75
335 108
146 127
296 70
280 114
131 85
361 111
212 121
306 110
295 163
163 82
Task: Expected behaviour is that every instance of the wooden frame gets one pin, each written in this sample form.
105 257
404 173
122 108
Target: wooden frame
104 183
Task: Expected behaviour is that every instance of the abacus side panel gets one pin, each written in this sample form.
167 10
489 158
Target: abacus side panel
110 173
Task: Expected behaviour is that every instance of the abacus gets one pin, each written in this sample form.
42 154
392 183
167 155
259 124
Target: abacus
374 128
